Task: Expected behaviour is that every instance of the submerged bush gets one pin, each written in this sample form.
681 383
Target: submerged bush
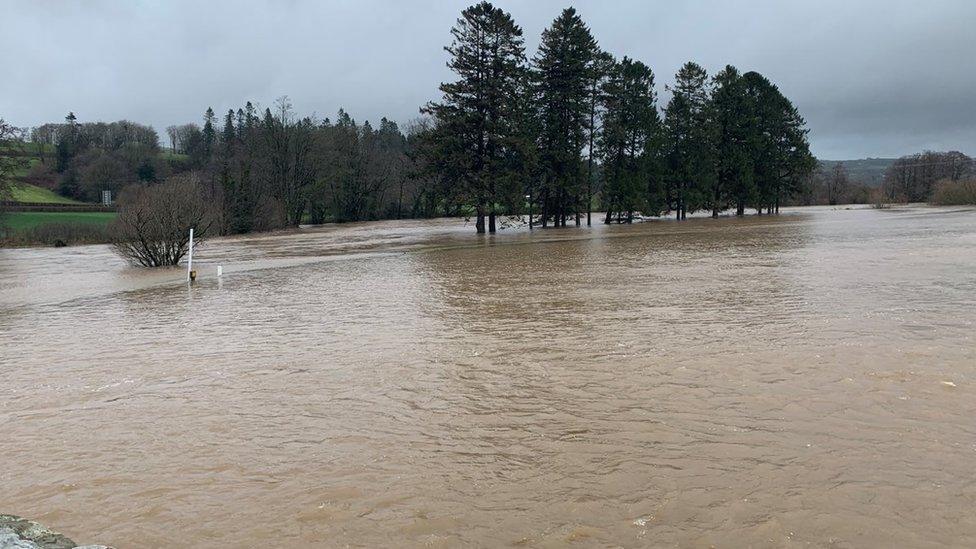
154 221
879 199
954 193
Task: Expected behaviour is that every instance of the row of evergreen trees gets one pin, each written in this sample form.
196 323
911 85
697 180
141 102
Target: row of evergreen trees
541 137
271 168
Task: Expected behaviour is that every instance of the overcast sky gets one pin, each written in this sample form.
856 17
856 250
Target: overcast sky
872 78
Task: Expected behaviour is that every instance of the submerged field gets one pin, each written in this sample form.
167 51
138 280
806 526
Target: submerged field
807 379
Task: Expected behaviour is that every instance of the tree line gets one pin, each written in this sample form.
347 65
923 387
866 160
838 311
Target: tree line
549 139
915 177
80 160
542 137
272 168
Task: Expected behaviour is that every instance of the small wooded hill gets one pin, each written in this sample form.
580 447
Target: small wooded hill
867 171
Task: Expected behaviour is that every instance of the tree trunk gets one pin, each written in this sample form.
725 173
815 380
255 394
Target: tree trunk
589 156
480 224
491 221
606 220
716 197
740 208
561 212
589 198
545 209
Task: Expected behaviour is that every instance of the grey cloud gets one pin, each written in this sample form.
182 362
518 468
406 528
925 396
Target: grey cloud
872 78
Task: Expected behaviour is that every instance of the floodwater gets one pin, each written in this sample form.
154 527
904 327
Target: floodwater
802 380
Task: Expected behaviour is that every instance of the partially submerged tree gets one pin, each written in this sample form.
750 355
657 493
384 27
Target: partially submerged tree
837 184
478 111
629 141
154 222
734 182
780 151
690 140
600 69
563 83
289 144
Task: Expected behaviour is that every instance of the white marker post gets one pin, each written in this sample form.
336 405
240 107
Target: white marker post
189 261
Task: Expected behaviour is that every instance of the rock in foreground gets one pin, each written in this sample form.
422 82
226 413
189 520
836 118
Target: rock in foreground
20 533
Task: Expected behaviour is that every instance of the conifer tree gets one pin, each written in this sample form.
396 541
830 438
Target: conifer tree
689 140
630 126
562 77
734 183
67 143
209 132
68 146
478 111
779 148
227 144
599 70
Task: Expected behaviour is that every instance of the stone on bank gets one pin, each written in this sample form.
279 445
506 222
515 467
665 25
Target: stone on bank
20 533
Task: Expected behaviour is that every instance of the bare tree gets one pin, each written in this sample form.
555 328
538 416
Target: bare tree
837 184
154 221
291 168
14 157
173 133
912 178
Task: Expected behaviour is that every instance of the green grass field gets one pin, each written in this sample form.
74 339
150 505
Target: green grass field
22 221
33 193
21 173
167 154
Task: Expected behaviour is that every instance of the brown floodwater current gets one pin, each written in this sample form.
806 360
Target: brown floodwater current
806 380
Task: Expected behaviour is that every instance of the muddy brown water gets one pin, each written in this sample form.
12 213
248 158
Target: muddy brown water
807 379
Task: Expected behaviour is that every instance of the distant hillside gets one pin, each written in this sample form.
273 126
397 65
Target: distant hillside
868 171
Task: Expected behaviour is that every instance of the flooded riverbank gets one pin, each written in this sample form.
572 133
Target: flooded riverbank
807 378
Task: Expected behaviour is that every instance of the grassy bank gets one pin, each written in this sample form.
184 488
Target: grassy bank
33 193
54 228
21 221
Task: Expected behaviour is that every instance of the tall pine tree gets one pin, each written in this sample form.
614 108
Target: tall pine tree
209 132
779 148
562 76
600 69
630 126
734 182
690 155
478 113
